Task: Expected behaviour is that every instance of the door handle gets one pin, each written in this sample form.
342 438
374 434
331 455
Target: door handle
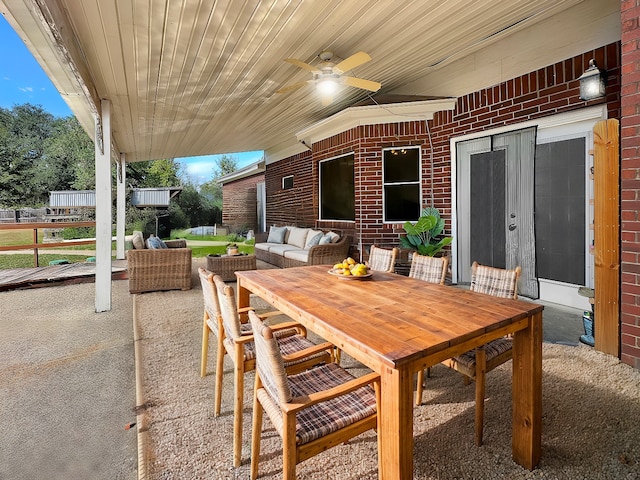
512 227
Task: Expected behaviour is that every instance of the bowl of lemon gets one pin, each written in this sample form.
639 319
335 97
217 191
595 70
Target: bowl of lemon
349 269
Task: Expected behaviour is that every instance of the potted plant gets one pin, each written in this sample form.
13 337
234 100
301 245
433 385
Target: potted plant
423 236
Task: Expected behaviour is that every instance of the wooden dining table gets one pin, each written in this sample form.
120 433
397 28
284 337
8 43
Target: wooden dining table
397 325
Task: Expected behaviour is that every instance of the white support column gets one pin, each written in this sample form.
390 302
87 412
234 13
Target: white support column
121 206
103 208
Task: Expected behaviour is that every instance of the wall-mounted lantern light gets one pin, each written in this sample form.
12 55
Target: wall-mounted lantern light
592 82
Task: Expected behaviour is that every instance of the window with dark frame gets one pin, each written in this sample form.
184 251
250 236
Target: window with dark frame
287 182
337 189
401 184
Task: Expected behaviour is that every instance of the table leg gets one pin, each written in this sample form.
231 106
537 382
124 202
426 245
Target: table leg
527 394
396 425
243 299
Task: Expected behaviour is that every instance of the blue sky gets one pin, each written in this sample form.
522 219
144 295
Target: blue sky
23 81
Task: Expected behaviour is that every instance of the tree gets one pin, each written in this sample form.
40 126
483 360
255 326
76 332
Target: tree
24 131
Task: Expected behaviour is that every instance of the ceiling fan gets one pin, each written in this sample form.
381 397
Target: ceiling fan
327 75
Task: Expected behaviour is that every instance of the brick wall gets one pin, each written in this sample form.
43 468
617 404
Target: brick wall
297 205
239 203
630 184
548 91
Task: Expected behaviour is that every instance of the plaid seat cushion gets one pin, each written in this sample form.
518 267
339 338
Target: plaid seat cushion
325 417
492 349
288 340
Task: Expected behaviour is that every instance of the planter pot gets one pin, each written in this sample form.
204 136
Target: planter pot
588 322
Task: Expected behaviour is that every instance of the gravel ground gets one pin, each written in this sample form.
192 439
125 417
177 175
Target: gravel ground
591 407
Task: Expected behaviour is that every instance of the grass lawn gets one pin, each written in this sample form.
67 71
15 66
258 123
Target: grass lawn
17 237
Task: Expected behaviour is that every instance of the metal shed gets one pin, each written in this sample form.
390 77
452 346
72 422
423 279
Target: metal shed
72 199
154 197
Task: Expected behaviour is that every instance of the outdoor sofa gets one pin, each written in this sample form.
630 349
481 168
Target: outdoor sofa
291 246
158 268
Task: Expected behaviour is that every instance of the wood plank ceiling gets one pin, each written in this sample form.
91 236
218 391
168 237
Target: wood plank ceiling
195 77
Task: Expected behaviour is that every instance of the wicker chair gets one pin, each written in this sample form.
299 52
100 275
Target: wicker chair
432 270
312 411
475 364
382 259
238 342
212 322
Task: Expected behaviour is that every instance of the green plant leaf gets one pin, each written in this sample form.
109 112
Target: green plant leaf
431 212
424 224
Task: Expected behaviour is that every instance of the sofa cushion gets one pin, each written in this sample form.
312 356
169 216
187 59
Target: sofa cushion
313 238
281 249
276 234
264 246
298 236
137 240
297 254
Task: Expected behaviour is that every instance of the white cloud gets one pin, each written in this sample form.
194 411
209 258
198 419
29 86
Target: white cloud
26 89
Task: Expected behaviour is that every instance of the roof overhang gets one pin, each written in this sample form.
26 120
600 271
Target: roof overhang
373 115
246 172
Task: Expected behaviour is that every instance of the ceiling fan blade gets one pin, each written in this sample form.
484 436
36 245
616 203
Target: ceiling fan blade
352 62
290 88
301 64
361 83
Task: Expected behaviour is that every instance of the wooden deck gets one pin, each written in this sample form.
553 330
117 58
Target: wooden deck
21 278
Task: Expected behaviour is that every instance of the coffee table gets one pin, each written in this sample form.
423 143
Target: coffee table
227 265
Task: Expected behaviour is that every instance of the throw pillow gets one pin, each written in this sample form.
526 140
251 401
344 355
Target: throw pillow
313 238
276 234
154 242
325 239
138 241
334 237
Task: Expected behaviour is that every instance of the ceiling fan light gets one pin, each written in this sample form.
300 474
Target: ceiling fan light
327 86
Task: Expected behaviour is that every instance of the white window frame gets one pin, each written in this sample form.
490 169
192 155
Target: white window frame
285 178
418 182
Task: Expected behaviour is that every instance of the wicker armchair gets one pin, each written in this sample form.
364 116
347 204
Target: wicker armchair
151 270
238 342
312 411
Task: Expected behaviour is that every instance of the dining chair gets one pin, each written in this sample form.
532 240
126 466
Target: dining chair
212 323
474 364
312 411
432 270
382 259
239 344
